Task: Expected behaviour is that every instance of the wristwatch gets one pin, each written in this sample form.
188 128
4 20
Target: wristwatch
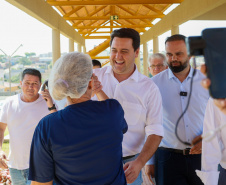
52 108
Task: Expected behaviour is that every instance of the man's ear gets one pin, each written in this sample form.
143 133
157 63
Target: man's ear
137 52
149 69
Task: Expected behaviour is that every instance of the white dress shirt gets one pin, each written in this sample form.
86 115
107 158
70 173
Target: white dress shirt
191 124
213 150
141 102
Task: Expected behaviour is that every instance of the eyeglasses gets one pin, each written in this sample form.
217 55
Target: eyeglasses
31 84
158 66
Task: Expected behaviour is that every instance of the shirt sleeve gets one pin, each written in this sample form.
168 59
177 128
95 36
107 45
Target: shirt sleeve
211 149
154 120
41 161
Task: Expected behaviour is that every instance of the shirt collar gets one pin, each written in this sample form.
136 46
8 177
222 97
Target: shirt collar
134 76
171 75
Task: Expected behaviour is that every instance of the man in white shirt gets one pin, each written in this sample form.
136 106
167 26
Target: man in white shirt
157 63
140 99
175 161
21 113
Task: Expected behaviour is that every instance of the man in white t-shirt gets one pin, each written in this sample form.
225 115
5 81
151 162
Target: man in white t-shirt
21 113
140 99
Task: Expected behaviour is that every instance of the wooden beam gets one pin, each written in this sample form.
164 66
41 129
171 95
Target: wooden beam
97 37
111 2
100 57
94 12
126 26
90 24
96 29
133 14
120 17
72 11
89 32
154 9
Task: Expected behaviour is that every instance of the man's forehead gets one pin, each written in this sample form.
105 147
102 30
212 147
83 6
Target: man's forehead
122 43
28 77
175 46
156 60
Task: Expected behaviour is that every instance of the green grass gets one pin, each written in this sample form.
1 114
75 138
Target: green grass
6 131
5 146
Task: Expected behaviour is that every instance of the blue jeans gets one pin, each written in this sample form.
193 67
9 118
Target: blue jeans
139 179
19 177
176 169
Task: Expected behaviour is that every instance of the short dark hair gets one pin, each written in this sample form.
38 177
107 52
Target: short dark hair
175 37
96 63
31 71
127 33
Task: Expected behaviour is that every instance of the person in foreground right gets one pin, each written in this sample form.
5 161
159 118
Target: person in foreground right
214 147
81 144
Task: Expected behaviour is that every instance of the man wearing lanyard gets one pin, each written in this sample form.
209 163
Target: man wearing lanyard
176 165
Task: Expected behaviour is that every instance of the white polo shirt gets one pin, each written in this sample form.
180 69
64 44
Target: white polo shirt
142 104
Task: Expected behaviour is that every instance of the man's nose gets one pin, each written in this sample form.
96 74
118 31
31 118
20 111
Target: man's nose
174 57
118 55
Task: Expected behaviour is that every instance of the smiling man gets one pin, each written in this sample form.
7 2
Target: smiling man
140 99
176 165
21 113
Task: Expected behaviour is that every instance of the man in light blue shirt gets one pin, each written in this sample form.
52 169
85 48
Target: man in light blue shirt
174 166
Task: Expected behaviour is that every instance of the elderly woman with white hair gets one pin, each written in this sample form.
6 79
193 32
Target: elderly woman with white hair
81 144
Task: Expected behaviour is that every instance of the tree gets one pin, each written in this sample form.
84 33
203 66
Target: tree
30 54
15 79
24 61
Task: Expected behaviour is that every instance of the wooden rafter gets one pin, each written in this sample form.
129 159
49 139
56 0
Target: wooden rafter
133 14
90 24
96 28
72 11
97 32
127 26
111 2
97 37
154 9
91 14
120 17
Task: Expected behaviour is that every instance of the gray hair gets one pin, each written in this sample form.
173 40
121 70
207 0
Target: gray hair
160 56
70 76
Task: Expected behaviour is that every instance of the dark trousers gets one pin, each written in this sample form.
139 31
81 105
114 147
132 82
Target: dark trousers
176 169
222 176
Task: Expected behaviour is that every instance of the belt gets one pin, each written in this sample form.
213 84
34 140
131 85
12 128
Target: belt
128 157
184 152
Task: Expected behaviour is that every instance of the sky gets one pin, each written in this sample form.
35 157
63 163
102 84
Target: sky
17 27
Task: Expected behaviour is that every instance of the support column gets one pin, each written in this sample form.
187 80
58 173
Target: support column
145 58
55 45
174 30
137 62
84 49
79 48
155 44
71 45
